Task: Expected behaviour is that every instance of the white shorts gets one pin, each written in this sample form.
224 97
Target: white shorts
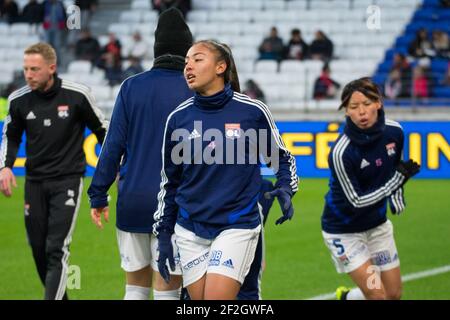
139 250
230 254
351 250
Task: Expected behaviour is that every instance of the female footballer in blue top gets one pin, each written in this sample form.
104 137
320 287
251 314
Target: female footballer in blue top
211 177
366 173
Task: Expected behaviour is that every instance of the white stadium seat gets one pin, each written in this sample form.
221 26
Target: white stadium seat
266 66
101 93
79 66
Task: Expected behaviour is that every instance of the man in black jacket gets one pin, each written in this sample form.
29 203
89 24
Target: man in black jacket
54 114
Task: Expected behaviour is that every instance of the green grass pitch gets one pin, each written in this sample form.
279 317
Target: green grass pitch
298 265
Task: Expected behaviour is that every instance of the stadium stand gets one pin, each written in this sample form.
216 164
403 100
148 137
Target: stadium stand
359 49
431 17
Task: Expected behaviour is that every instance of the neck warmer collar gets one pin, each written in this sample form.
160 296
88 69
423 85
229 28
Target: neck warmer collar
365 136
169 61
216 101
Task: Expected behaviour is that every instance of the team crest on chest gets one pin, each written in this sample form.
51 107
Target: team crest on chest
63 111
232 130
390 148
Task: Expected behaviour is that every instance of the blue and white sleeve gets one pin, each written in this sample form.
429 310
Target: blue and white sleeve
343 166
110 155
166 214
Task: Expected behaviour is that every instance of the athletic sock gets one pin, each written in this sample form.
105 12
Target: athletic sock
136 293
355 294
167 295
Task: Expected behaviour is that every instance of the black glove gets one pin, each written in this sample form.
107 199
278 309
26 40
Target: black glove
408 168
165 253
284 199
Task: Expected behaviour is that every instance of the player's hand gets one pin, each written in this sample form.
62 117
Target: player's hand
408 168
284 199
7 179
96 216
165 248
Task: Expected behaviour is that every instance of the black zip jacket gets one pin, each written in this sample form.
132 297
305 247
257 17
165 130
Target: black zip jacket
54 122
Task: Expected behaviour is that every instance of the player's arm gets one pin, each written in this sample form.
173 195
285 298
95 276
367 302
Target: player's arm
397 199
282 162
166 214
13 128
109 160
344 167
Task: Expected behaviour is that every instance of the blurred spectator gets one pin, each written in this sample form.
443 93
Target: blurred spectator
87 47
446 79
420 83
401 64
112 48
113 69
445 3
253 91
139 48
272 47
296 49
441 44
321 48
54 23
9 11
324 86
393 85
33 12
87 8
183 5
421 46
134 68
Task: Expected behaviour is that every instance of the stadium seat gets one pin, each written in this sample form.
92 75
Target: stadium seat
141 5
198 16
292 66
266 66
230 29
268 17
270 5
232 5
245 53
101 93
150 16
246 41
4 29
10 42
245 66
19 29
296 5
252 5
130 16
69 76
119 28
79 66
6 78
26 41
256 29
206 5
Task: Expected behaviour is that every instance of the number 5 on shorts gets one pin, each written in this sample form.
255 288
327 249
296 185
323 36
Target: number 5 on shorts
337 243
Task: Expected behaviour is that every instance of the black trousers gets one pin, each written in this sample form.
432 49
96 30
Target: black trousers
51 209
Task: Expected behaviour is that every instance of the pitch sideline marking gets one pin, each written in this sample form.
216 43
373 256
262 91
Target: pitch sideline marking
406 278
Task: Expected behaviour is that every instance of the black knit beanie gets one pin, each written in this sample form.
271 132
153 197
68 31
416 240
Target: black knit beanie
172 35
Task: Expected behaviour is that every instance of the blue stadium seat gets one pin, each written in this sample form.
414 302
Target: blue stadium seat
442 91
